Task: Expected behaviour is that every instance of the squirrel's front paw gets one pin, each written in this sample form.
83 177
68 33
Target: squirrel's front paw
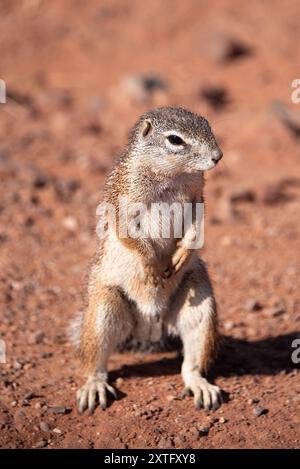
205 394
93 391
178 260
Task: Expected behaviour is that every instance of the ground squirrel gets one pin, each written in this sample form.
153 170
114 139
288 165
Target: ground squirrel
142 286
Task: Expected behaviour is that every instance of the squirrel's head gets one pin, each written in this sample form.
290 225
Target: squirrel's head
172 140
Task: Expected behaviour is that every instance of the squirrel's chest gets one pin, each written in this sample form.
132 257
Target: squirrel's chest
162 220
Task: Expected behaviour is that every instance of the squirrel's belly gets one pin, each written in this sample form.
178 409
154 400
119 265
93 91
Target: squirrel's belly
150 306
149 302
123 268
148 329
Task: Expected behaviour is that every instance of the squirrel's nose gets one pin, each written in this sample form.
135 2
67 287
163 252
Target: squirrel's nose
217 154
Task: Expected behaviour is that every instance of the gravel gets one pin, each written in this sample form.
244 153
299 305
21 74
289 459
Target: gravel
59 410
44 427
258 411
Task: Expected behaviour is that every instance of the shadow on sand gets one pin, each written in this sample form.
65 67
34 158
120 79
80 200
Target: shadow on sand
237 357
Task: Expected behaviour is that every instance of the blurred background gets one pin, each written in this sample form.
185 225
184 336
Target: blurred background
78 75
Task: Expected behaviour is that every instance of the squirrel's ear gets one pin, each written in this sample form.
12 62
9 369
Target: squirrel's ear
146 127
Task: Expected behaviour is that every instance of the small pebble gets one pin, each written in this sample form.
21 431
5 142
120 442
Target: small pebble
203 431
274 194
59 410
44 427
253 401
40 444
258 411
275 311
253 305
57 431
17 365
40 181
242 196
140 88
70 223
228 325
195 433
165 443
216 96
213 420
39 337
30 395
223 420
229 49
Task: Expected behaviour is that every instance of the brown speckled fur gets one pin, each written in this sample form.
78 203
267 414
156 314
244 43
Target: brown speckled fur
136 285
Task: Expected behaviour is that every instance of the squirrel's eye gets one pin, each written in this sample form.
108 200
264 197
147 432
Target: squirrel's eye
175 140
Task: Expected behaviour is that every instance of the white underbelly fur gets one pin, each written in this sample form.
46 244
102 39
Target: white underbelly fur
150 302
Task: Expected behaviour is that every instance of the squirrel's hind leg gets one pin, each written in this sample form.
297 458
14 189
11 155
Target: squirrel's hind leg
106 324
194 316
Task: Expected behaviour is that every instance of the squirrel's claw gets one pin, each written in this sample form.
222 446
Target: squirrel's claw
93 391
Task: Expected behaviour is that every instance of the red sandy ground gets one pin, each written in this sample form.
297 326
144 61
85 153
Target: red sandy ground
66 119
